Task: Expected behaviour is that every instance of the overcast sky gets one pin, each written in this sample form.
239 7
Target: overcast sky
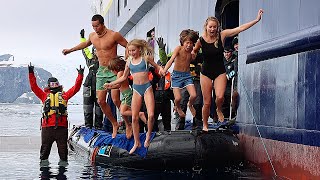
38 30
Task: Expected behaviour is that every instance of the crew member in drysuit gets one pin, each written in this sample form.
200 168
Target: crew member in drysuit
163 93
91 107
229 63
54 120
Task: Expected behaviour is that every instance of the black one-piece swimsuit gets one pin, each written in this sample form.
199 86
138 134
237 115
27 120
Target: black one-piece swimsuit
212 65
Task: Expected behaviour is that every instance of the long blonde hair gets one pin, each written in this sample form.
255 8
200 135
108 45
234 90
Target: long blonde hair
211 18
145 48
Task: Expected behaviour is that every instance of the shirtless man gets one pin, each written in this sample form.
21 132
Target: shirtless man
105 41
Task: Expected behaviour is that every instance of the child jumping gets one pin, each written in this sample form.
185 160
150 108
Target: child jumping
140 55
181 77
117 66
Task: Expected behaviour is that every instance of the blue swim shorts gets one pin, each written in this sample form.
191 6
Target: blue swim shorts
181 79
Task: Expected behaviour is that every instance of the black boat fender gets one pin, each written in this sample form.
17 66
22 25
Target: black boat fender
169 150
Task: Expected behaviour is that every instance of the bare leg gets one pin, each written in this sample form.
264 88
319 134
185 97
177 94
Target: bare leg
177 99
137 143
220 115
206 89
125 112
192 109
129 130
220 86
149 100
192 92
115 94
128 127
143 117
147 142
136 105
235 100
107 111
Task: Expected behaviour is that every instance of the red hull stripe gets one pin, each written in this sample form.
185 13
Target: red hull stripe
290 160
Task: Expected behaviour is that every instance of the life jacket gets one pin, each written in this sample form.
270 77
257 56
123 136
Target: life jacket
54 104
167 84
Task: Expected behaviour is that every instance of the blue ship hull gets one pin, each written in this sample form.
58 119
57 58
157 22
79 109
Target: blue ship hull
279 87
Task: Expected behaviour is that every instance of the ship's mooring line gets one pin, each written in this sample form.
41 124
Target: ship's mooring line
254 120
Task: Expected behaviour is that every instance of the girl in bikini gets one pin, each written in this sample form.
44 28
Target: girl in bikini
140 55
117 66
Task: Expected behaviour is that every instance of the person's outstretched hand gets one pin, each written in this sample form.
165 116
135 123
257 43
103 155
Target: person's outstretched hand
260 12
30 68
82 33
80 70
160 43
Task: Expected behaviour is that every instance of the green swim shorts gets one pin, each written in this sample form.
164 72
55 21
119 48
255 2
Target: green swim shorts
104 75
126 97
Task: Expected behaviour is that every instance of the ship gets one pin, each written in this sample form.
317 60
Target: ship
278 75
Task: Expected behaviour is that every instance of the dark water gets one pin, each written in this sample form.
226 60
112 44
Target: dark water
20 127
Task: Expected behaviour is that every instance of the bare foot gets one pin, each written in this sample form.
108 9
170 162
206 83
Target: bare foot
180 112
220 115
205 126
135 146
115 128
128 131
143 117
147 141
192 110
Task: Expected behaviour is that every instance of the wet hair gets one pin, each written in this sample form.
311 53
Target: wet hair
228 49
145 48
188 34
235 41
98 17
117 64
211 18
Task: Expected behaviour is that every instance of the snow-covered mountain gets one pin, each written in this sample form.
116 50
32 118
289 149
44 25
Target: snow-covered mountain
14 79
17 68
27 98
6 57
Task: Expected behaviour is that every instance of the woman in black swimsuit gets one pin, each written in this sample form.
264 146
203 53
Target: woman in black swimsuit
212 43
